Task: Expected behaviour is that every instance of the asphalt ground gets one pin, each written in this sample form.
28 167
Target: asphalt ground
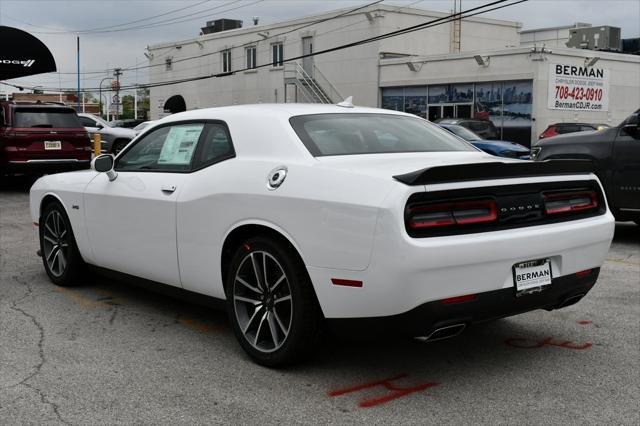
110 352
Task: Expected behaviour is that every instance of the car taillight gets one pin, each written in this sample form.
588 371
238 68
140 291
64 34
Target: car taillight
568 202
452 213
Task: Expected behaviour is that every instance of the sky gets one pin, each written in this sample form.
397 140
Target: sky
56 22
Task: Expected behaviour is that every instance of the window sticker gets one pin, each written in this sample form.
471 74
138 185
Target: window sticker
180 144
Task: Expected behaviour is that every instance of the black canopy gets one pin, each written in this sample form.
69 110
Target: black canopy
21 54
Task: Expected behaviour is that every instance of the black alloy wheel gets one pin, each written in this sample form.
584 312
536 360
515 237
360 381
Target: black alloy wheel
60 255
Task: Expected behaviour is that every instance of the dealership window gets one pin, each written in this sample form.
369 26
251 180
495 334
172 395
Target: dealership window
168 63
393 98
277 54
226 60
507 104
415 100
250 53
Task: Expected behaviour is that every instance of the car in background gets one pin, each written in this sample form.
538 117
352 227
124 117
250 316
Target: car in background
499 148
40 137
328 215
564 128
483 128
113 138
615 153
140 127
127 123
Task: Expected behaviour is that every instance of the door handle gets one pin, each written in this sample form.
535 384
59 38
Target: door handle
168 188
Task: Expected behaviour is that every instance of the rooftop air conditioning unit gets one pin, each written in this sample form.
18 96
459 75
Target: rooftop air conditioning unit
595 38
221 25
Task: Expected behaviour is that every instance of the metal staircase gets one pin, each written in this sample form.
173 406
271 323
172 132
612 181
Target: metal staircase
315 89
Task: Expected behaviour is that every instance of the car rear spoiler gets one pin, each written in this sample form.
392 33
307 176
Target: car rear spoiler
495 170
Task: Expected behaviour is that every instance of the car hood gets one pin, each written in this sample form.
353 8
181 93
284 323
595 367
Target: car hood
503 145
120 132
589 136
387 165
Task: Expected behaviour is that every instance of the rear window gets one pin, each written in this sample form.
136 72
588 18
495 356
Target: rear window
41 117
349 134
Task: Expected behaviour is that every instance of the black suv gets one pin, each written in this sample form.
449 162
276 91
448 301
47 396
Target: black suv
615 152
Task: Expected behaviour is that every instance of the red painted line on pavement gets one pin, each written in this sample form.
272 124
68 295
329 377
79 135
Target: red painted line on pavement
522 343
396 392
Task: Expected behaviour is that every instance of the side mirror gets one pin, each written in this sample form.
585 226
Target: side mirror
99 125
104 164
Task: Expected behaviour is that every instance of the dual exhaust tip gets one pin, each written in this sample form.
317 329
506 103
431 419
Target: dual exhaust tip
453 330
442 333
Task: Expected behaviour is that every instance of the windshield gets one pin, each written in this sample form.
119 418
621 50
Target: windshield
100 120
46 118
349 134
464 133
142 125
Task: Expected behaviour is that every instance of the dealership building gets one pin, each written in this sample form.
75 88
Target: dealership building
476 67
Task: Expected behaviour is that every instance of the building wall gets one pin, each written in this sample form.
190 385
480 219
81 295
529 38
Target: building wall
478 33
520 65
353 71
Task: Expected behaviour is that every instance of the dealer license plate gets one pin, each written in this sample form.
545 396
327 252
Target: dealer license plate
532 276
52 145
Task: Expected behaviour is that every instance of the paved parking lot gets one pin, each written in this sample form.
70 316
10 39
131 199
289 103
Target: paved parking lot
110 352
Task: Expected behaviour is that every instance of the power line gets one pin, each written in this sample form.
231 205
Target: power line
244 44
253 42
162 23
99 74
439 21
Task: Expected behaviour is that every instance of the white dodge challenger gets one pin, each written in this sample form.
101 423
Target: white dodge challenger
306 216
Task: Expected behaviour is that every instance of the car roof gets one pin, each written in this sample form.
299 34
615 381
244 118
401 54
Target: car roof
283 111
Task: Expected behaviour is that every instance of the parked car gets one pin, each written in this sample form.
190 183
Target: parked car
499 148
483 128
354 218
128 123
114 139
615 152
41 137
564 128
140 127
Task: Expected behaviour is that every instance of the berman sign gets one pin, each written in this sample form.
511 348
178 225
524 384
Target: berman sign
578 88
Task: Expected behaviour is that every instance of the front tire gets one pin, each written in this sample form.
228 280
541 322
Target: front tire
271 303
60 255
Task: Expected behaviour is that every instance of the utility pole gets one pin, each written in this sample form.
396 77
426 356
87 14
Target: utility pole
117 72
78 51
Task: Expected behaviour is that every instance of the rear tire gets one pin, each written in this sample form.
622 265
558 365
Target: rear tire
271 303
60 255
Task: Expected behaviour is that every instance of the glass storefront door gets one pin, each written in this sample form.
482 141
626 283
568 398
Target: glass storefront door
449 111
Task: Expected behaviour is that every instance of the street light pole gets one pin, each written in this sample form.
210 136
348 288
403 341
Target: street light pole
100 93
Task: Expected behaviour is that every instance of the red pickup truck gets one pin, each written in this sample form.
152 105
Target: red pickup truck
41 137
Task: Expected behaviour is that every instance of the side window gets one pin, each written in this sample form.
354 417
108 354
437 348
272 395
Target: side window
215 146
87 122
168 148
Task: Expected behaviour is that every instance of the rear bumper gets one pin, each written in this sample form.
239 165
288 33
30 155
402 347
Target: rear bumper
406 272
424 319
34 166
